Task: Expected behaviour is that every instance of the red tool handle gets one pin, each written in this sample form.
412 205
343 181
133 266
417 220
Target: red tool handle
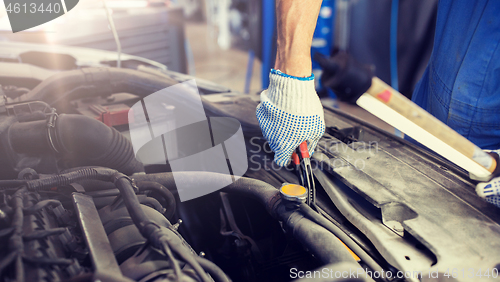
295 159
303 150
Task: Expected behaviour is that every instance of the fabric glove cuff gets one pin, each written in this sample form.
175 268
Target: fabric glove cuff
294 95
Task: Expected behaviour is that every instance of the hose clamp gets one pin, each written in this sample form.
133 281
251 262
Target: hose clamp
51 122
119 175
51 127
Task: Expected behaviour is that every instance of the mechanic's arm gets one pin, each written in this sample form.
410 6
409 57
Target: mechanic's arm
290 111
296 21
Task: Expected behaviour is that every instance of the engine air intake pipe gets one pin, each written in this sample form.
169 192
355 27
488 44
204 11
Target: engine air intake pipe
78 140
63 87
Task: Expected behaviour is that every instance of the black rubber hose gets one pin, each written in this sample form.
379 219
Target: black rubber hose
153 203
164 192
29 137
150 230
213 270
43 184
90 142
319 219
61 88
104 193
11 183
78 140
261 191
145 226
321 242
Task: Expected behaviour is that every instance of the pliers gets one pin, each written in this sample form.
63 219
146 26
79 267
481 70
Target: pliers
302 162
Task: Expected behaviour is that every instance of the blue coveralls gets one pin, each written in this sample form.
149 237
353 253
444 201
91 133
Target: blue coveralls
461 85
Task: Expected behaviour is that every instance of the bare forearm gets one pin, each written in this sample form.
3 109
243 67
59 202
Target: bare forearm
296 20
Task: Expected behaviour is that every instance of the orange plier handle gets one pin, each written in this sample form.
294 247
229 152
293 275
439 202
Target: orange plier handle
302 162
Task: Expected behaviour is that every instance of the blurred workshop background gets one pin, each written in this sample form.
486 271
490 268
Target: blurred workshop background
232 42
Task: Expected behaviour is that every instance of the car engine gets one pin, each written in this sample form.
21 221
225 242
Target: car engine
77 205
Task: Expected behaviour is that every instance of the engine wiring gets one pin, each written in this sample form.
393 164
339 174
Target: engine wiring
162 238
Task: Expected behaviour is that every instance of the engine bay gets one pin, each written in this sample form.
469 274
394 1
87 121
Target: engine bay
76 204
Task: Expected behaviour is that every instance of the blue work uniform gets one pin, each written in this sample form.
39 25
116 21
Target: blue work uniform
461 85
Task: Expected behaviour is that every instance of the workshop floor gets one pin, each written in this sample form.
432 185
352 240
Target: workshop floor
229 68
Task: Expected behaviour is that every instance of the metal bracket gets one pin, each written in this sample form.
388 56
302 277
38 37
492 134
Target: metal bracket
103 259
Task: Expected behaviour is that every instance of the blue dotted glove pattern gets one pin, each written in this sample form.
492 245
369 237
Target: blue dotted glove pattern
285 131
490 191
495 200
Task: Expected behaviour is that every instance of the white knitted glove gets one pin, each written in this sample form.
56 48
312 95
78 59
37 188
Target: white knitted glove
490 191
290 113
